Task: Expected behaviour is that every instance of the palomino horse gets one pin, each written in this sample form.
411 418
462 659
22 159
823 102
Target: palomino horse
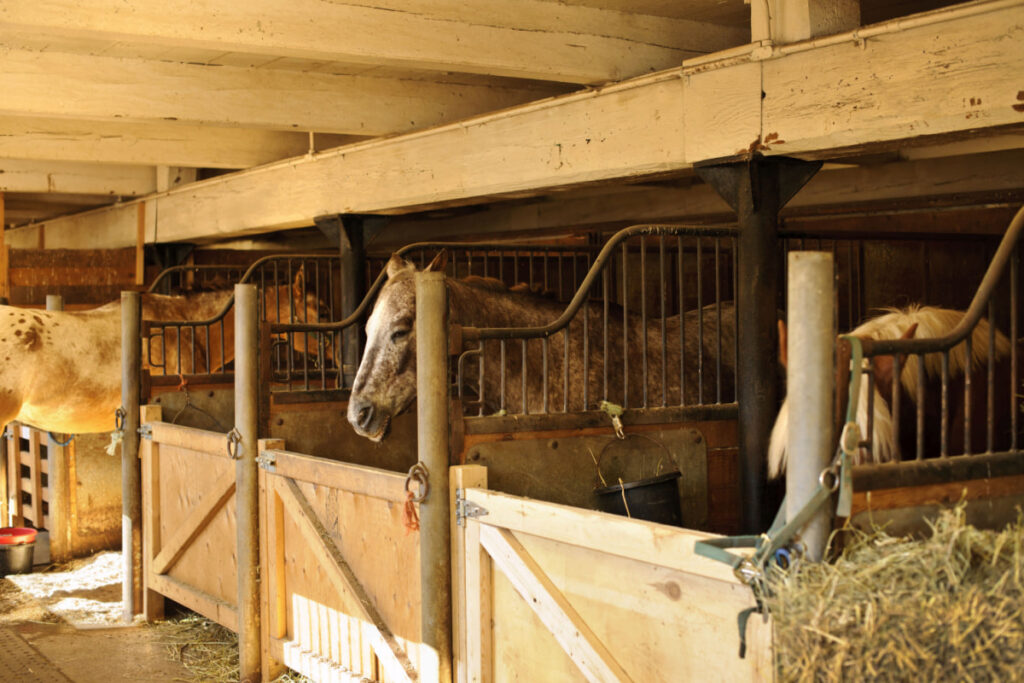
62 369
385 384
920 322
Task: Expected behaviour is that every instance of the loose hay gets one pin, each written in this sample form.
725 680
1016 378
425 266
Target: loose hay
208 650
894 609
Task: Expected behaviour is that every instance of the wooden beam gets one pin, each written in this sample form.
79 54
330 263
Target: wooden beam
141 90
639 129
536 39
586 650
18 175
154 144
789 21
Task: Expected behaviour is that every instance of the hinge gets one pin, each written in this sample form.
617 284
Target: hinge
466 508
266 460
146 432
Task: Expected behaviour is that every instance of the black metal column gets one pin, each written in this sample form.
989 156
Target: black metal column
757 189
347 231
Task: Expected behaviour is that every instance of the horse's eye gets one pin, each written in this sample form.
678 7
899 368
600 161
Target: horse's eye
399 334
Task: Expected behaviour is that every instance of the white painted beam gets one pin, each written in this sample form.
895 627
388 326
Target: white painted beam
643 127
153 144
527 39
140 90
18 175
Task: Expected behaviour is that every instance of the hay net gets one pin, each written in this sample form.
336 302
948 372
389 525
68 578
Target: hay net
950 607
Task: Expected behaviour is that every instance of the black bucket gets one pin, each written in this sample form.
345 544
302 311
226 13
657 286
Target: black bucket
17 545
655 499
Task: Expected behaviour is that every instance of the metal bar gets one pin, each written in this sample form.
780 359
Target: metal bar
504 369
625 324
967 397
700 324
991 397
131 469
664 331
810 382
58 480
1014 360
604 349
544 374
246 485
718 323
895 405
944 406
643 319
432 447
522 376
682 321
920 407
586 333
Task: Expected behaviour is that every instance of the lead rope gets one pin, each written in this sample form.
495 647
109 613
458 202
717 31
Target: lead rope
752 569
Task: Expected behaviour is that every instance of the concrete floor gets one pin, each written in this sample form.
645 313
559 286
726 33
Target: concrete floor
35 645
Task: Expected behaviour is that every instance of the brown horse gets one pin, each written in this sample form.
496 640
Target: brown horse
62 369
385 384
921 322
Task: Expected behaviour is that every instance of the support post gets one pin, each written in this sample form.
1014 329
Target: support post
59 479
346 230
811 339
246 481
131 467
757 189
432 439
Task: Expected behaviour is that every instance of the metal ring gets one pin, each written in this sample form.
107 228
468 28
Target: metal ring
418 473
234 439
825 473
119 416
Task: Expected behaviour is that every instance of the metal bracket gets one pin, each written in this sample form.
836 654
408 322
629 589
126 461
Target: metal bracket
267 461
465 508
146 432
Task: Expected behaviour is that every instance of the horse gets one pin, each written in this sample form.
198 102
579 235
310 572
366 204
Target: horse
921 322
62 369
385 383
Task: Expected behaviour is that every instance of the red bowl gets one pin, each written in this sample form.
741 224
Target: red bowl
17 535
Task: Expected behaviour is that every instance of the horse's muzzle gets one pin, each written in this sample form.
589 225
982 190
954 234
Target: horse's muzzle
367 420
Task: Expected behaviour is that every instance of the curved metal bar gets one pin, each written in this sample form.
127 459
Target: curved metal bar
596 268
166 273
888 347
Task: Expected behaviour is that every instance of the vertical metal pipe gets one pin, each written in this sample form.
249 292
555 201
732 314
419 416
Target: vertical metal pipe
131 467
246 486
810 387
432 446
58 480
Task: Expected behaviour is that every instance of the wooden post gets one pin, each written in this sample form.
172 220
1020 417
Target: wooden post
432 440
140 245
59 480
466 476
5 265
246 481
131 471
152 602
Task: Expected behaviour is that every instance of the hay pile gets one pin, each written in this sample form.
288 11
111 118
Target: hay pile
947 608
208 650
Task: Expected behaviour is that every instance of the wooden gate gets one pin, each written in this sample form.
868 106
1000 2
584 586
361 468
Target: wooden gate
189 535
548 592
341 576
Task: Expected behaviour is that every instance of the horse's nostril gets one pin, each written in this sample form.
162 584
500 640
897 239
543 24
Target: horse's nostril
364 416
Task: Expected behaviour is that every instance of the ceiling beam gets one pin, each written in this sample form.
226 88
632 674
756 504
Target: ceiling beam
528 39
655 125
154 144
19 175
141 90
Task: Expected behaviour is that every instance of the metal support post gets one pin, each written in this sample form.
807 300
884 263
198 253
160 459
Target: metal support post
757 189
811 339
432 439
346 230
246 483
131 467
57 457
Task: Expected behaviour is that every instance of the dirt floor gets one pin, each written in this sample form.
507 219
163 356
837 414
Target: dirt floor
62 623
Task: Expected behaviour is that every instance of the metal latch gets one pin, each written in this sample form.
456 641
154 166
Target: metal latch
466 508
146 432
267 460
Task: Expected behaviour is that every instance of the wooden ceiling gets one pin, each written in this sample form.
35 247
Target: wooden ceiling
106 100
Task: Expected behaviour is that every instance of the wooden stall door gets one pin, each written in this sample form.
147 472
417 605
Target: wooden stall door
188 521
340 572
548 592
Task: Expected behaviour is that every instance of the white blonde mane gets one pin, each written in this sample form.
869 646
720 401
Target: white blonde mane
931 322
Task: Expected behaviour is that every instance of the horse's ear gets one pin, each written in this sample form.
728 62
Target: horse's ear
439 262
299 284
782 343
397 264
